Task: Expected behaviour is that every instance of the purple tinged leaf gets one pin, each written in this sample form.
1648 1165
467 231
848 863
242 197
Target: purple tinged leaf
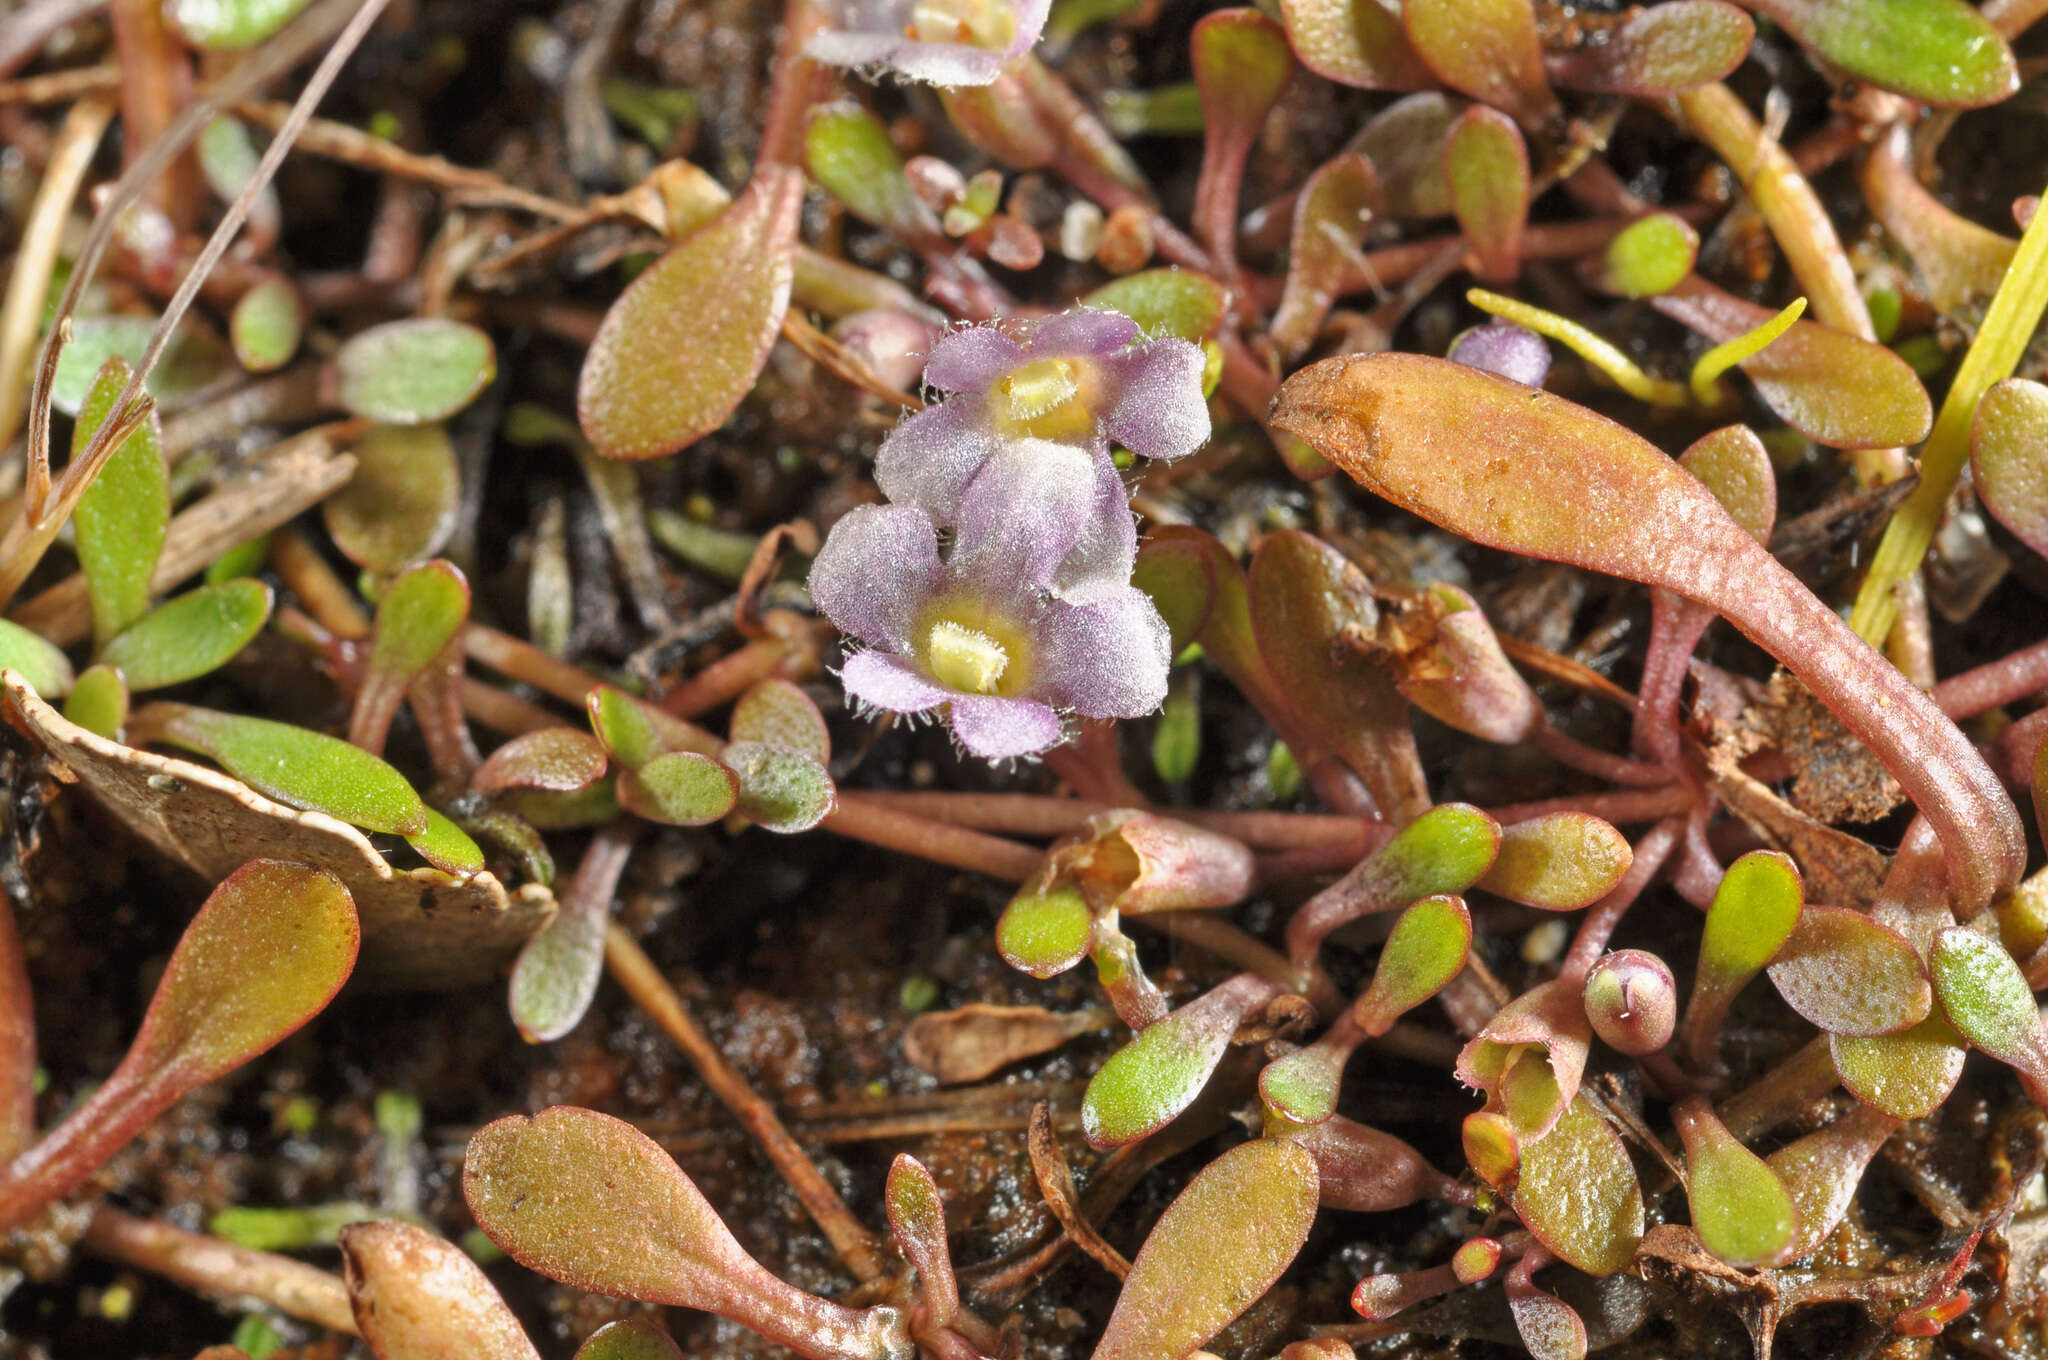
917 1218
1215 1251
414 372
122 517
1987 999
1172 303
781 714
1445 850
680 788
1451 666
293 765
1578 1192
1425 950
633 1338
1849 975
266 325
1530 1056
1649 256
1830 386
1331 215
1822 1170
1661 50
1404 141
559 759
1046 929
1488 49
190 636
1550 1328
1507 349
1366 1171
2009 458
1906 1075
1354 42
782 790
1740 1208
1559 862
38 661
1631 1001
1940 52
1535 474
685 341
265 953
593 1202
419 1297
1486 166
1148 1082
98 702
400 505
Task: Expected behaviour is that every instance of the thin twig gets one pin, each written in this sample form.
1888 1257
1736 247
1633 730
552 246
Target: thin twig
221 1268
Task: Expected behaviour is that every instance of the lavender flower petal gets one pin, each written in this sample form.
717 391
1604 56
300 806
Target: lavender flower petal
1106 659
929 460
1003 729
878 566
969 360
884 680
1084 331
1107 549
1160 411
1504 348
1024 512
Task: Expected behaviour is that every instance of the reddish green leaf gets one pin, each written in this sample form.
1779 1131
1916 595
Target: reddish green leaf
783 790
1136 863
1987 999
1443 851
1215 1251
1165 302
1530 1057
1366 1171
1822 1170
917 1219
191 635
1425 950
419 1297
633 1338
2009 458
1907 1075
1242 64
781 714
561 759
1740 1208
1405 143
1850 975
122 517
681 788
686 339
293 765
1960 261
1331 215
1179 575
1302 1087
1938 51
1631 1001
266 325
1560 862
1451 666
414 372
1488 49
593 1202
556 973
1578 1192
1486 166
1732 463
419 617
1661 50
1148 1082
400 505
1354 42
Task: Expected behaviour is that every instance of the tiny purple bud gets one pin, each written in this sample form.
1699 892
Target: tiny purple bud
1632 1002
1504 348
892 344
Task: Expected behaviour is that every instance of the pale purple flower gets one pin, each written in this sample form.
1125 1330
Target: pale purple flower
1076 378
980 635
939 42
1504 348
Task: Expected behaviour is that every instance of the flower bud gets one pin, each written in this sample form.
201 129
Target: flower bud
1504 348
1136 862
1632 1001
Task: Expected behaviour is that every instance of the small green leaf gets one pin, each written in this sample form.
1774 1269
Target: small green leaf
917 1220
1046 929
1177 736
447 847
1491 1148
194 359
2009 458
1302 1087
1648 256
681 788
1215 1251
1560 862
244 559
1486 165
293 765
286 1229
1148 1082
685 341
556 810
779 713
1354 42
400 505
123 515
1425 950
1940 52
1405 142
1579 1194
1176 573
1661 50
1986 997
1740 1208
414 372
633 1338
556 974
418 1295
189 636
625 726
1242 65
1753 913
1908 1074
265 327
47 670
561 759
850 156
422 610
99 702
783 790
1849 975
228 159
1165 302
1488 49
229 25
1444 851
